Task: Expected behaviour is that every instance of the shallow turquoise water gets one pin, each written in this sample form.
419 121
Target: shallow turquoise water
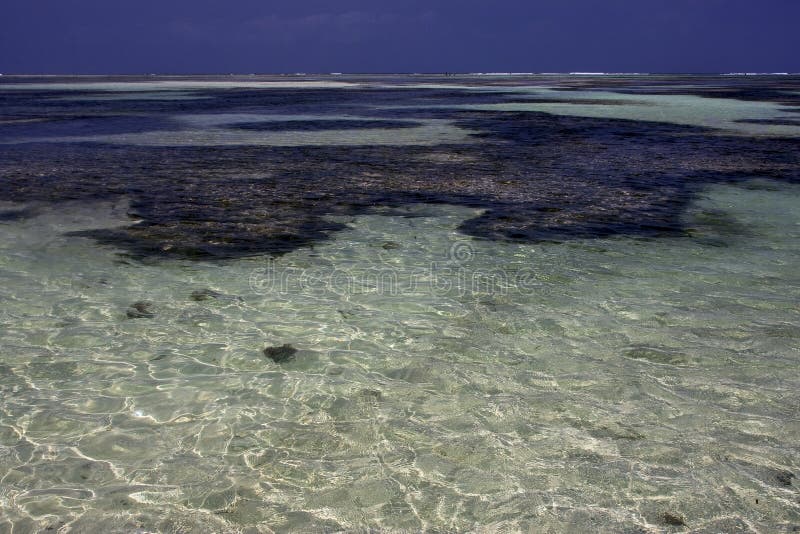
441 383
723 114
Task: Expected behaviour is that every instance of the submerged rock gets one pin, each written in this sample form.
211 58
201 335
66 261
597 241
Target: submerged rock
140 309
205 294
785 477
673 518
281 354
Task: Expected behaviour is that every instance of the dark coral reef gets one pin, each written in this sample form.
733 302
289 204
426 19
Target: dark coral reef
538 176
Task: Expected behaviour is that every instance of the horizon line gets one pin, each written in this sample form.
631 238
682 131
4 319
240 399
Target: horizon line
431 73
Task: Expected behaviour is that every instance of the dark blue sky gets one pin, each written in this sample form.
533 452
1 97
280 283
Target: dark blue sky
244 36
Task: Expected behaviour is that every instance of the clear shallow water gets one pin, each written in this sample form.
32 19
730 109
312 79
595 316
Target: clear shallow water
720 113
724 114
441 383
218 129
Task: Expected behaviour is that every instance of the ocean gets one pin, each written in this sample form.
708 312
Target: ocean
488 303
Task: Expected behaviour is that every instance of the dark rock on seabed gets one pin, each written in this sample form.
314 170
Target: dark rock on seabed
281 354
140 309
204 294
785 477
673 519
